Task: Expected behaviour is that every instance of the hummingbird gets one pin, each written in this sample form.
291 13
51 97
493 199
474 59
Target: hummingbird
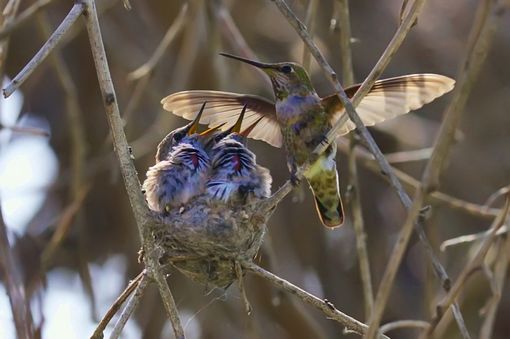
235 174
181 170
299 119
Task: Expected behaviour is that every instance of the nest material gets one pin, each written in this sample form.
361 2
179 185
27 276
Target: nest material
206 238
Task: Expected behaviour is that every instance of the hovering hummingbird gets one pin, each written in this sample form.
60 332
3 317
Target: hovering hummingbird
300 118
235 173
181 169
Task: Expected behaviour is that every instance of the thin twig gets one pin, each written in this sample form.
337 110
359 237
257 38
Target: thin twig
500 271
408 156
131 305
358 224
403 324
131 182
170 35
475 262
23 18
240 282
98 332
323 305
45 50
435 198
344 24
468 238
14 285
496 195
233 35
395 183
310 23
430 180
63 227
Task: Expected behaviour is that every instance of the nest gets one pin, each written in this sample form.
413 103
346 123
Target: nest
206 238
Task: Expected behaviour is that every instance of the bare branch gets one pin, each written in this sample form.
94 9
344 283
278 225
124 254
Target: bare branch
170 35
98 333
138 205
322 305
45 50
23 18
358 224
130 307
500 271
14 285
476 261
419 324
470 238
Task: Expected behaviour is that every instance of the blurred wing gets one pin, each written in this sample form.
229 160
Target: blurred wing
224 107
391 97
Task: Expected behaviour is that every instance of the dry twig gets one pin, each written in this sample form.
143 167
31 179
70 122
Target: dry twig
15 288
98 332
323 305
130 307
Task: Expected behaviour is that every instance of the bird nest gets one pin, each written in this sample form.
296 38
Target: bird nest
205 239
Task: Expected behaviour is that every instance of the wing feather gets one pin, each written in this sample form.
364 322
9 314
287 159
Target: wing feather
224 107
391 97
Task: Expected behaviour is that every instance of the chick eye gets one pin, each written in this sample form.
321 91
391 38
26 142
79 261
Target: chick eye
286 69
178 136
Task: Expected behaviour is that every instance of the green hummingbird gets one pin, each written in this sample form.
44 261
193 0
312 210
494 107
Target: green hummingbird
299 119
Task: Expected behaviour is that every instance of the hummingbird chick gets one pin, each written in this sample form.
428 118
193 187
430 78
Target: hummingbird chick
181 170
235 174
300 119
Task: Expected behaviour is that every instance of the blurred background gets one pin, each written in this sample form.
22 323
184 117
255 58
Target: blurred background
69 220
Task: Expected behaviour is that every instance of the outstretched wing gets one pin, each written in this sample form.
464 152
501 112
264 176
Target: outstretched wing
387 99
224 107
390 98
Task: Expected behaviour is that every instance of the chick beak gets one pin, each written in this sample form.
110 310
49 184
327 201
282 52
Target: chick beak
194 125
211 130
250 128
237 126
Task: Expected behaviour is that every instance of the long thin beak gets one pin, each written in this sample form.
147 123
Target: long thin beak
248 61
250 128
194 125
237 126
211 130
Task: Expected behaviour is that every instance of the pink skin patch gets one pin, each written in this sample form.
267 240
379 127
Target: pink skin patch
194 160
236 161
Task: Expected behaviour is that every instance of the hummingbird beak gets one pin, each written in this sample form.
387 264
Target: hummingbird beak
194 125
211 130
257 64
237 126
250 128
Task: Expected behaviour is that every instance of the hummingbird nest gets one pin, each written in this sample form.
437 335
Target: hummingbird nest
205 239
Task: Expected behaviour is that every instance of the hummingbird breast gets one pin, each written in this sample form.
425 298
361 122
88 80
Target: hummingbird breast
304 123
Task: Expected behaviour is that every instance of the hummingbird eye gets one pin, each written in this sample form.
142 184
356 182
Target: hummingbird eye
286 69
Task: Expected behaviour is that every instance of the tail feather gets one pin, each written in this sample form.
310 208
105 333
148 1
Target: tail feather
324 185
